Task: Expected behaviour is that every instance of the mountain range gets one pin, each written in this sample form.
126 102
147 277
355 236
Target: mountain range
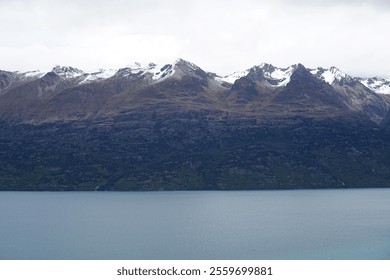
177 126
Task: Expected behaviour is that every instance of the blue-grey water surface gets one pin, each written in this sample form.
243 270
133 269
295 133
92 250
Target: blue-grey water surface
301 224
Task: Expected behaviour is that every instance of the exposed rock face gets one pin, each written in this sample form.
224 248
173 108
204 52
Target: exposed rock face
177 126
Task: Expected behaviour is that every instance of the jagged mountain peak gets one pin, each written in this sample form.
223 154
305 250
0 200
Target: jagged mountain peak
332 75
186 66
265 65
276 77
67 72
184 63
151 70
66 69
79 76
183 67
299 74
158 72
279 76
298 69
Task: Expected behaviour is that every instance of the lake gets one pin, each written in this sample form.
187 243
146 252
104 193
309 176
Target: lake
297 224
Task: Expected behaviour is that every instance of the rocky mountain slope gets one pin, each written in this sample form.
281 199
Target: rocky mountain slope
176 126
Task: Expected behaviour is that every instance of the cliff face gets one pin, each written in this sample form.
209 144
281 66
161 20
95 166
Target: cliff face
178 127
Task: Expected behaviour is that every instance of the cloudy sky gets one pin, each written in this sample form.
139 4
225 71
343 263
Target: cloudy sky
220 36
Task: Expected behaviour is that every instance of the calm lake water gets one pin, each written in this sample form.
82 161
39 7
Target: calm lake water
302 224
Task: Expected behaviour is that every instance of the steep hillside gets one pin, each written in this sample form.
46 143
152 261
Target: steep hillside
178 127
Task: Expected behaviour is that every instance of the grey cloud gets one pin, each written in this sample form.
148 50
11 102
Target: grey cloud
219 35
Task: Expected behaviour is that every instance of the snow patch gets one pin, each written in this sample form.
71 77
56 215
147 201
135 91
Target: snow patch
377 85
329 75
160 72
102 74
156 71
232 77
314 72
33 74
278 77
105 73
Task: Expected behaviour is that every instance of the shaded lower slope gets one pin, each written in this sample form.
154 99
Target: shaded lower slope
194 150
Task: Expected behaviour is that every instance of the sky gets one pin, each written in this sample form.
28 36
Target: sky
220 36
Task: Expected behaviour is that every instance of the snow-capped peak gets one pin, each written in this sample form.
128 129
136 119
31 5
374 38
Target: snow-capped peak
181 62
376 84
157 72
331 75
67 72
277 77
178 69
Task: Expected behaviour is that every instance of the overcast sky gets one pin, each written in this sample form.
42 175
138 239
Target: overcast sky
220 36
